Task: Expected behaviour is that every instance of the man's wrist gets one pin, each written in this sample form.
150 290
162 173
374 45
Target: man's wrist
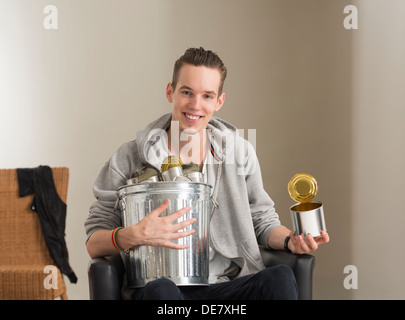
287 244
125 239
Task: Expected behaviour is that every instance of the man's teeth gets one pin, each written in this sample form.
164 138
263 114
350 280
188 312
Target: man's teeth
191 117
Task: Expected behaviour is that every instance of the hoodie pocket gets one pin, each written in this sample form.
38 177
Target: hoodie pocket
252 254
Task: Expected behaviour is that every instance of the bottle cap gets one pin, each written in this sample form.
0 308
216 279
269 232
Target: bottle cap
170 162
302 187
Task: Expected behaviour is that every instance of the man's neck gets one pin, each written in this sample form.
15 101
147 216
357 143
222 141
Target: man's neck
189 147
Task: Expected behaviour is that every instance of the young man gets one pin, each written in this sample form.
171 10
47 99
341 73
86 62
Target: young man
245 217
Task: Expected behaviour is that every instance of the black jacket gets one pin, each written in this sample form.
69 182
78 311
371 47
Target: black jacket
51 211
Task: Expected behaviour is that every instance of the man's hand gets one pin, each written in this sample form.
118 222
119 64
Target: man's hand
154 230
299 244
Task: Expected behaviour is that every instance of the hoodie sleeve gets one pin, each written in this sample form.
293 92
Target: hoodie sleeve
129 158
105 189
264 216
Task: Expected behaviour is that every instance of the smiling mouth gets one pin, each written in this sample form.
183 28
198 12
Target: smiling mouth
192 116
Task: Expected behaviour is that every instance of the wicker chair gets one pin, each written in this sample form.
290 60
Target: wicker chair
23 252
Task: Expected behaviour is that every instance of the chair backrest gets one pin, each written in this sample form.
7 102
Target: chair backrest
21 238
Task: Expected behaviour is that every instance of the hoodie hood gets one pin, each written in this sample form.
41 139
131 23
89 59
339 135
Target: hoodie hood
152 141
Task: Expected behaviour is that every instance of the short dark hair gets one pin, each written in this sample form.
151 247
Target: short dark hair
200 57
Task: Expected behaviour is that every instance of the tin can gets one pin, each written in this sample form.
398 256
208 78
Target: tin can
196 176
307 218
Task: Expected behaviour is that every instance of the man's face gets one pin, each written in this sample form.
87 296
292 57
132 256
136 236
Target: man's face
195 98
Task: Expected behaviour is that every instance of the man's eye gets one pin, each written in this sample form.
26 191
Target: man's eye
207 96
187 93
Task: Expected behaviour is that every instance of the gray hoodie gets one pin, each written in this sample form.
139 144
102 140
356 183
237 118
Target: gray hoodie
245 216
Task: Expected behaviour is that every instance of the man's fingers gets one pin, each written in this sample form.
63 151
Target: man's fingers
162 208
299 243
178 214
165 229
302 244
325 237
167 241
173 245
184 224
174 216
182 234
311 243
179 235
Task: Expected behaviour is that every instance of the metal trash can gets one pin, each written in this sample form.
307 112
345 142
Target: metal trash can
184 267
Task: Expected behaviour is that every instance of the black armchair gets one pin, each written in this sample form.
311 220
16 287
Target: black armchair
302 265
106 274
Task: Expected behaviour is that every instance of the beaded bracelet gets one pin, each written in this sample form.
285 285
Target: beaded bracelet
114 241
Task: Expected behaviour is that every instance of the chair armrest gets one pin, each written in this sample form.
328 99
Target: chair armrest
301 264
105 277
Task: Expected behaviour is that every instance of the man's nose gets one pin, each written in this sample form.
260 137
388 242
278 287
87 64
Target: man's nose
195 103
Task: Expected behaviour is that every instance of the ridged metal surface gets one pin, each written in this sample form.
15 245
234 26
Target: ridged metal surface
146 263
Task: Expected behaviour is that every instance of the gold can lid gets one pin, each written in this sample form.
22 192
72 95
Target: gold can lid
170 162
302 187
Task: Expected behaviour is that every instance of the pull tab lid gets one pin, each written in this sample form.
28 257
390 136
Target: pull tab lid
302 187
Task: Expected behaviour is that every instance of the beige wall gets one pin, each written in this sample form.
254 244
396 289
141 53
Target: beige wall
378 143
323 100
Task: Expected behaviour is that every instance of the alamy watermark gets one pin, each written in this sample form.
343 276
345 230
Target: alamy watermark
351 20
51 280
51 18
351 280
228 146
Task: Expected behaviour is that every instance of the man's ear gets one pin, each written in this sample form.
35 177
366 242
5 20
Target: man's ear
169 92
220 102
